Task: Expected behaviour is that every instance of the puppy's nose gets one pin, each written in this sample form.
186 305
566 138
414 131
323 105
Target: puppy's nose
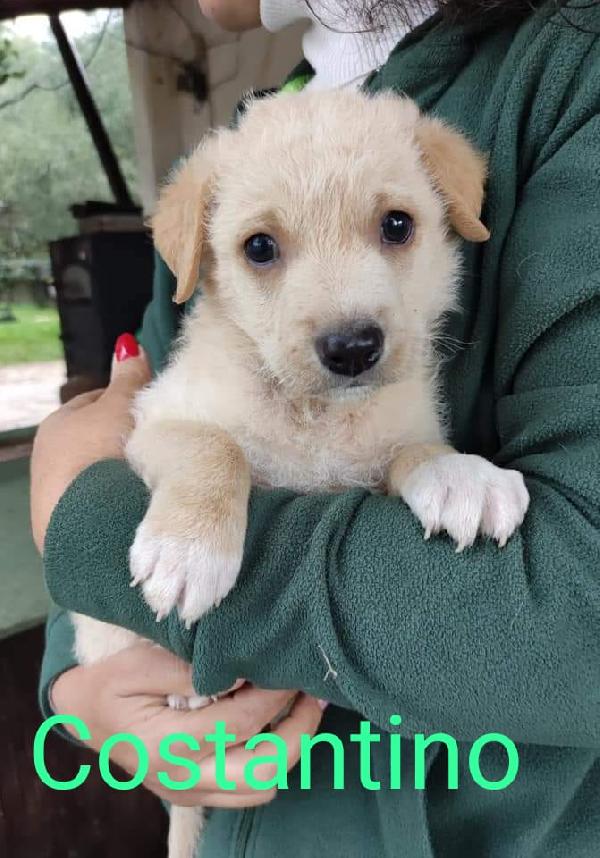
352 351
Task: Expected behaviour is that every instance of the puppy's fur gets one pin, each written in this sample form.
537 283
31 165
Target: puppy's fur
245 398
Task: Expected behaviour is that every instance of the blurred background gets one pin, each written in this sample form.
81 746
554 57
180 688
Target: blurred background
96 104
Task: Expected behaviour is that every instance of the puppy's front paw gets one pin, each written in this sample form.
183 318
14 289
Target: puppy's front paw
466 495
192 573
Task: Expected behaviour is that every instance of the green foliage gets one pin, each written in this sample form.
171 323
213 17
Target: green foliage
47 158
8 58
32 337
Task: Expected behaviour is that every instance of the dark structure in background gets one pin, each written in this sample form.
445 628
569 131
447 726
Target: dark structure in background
103 282
103 277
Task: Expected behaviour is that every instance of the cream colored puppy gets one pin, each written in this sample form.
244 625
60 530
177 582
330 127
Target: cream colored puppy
325 227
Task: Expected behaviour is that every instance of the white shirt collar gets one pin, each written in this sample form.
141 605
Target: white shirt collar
339 56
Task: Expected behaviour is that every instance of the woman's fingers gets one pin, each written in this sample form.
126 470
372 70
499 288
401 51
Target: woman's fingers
223 800
244 713
126 694
213 733
130 368
223 774
303 720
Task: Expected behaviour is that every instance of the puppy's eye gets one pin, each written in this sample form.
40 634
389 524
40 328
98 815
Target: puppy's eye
397 228
261 249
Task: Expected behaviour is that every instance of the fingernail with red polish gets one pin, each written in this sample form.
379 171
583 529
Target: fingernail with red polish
126 347
323 704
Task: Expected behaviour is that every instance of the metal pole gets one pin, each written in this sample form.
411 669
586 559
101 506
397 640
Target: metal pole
100 138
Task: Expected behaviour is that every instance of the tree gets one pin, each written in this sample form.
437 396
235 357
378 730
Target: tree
8 57
47 158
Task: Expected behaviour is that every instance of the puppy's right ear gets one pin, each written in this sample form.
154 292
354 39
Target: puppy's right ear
459 172
179 222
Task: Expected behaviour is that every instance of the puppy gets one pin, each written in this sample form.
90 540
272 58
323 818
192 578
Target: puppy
326 228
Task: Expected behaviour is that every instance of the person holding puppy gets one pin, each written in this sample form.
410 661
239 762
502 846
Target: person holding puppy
339 595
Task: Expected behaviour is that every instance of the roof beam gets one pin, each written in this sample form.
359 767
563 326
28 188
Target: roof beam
91 115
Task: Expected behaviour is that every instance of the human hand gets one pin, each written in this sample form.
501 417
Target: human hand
127 693
89 428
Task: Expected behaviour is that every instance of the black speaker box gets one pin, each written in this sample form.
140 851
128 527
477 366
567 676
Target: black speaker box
103 283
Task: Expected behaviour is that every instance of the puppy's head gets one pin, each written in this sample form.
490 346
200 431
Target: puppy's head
327 221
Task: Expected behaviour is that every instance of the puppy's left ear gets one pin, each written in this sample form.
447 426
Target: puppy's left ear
459 172
179 221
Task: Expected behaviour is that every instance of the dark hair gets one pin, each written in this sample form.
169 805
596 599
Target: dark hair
370 14
465 10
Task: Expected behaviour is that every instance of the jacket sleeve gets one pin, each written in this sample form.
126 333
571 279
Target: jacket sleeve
341 596
58 656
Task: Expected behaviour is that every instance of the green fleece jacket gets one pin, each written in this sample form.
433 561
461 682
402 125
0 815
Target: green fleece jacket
341 596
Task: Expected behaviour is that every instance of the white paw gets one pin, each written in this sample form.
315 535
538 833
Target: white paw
466 495
191 574
179 701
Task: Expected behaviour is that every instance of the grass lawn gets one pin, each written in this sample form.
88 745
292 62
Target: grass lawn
33 337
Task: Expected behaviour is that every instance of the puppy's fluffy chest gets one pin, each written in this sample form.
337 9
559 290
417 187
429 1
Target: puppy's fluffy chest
324 446
311 447
307 444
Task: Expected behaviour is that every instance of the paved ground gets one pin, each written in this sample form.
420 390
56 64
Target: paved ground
28 393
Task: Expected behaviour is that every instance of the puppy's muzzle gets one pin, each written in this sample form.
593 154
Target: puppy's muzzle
350 351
